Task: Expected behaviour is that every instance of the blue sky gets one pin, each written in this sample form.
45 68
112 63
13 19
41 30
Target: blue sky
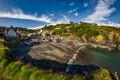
37 13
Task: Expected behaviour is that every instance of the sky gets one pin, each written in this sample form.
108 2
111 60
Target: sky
38 13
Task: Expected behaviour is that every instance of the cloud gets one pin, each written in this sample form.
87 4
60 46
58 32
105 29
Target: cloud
76 14
101 13
109 23
38 27
73 10
18 14
64 19
52 14
85 4
72 4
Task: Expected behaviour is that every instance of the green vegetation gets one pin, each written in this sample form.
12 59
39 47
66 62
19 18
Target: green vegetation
83 29
15 70
101 74
88 32
25 30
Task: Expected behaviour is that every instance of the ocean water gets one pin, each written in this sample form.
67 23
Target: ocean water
102 58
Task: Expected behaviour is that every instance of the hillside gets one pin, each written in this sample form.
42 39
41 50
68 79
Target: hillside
87 32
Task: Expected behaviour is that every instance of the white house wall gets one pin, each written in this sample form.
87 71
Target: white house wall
11 33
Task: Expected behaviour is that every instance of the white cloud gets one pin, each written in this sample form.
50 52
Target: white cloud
38 27
64 19
109 23
70 11
76 14
85 4
52 14
72 4
102 11
18 14
73 10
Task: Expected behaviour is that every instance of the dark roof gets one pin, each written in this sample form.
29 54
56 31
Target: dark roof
11 27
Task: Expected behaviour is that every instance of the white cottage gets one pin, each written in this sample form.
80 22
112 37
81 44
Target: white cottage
11 32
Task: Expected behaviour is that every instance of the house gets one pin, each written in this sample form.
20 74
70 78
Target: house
51 31
12 33
58 28
67 27
40 31
45 35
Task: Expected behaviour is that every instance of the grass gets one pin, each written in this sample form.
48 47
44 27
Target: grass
15 70
102 74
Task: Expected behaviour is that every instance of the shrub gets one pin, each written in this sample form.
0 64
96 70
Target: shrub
101 74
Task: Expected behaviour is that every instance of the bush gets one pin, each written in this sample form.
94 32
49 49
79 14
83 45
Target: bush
101 74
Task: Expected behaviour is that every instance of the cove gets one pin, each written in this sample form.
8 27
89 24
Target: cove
100 57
